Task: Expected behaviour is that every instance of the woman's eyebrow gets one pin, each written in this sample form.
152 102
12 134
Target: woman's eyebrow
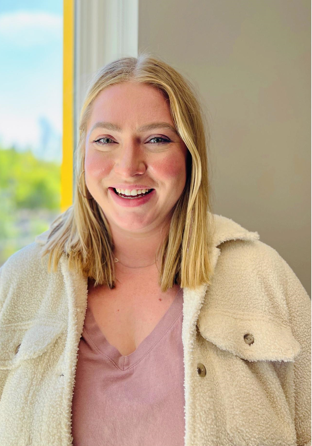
157 125
143 128
105 125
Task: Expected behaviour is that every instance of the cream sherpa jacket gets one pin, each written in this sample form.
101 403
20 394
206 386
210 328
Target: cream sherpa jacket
246 348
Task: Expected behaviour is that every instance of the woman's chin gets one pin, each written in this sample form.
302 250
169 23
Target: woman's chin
133 227
135 224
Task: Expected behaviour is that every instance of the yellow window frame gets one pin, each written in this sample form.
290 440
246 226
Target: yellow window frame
67 175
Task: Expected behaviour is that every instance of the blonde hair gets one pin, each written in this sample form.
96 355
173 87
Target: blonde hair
83 233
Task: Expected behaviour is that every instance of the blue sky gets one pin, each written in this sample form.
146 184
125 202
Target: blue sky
31 75
53 6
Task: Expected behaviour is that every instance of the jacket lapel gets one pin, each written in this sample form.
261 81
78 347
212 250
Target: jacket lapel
77 292
222 229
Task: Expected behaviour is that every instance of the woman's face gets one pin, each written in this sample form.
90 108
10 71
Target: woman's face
135 162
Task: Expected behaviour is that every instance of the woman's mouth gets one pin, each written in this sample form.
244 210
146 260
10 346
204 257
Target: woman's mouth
132 194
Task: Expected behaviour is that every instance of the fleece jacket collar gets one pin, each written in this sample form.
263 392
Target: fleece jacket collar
222 230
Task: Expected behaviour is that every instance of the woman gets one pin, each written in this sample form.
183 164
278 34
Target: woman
141 318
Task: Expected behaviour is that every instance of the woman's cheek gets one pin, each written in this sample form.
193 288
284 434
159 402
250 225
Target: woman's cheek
172 166
97 166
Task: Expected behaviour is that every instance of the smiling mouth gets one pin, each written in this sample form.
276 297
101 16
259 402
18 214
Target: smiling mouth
132 194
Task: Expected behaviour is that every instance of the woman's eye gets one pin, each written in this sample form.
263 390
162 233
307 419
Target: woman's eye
104 141
159 140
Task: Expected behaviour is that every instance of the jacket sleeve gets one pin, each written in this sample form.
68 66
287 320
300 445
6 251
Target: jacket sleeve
299 306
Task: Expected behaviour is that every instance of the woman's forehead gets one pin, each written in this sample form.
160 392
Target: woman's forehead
130 100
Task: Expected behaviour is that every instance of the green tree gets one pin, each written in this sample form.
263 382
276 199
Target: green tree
29 182
29 198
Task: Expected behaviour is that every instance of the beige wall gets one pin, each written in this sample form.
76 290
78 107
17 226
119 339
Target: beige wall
250 62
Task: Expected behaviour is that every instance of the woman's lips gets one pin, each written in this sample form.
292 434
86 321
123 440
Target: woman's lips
131 194
133 201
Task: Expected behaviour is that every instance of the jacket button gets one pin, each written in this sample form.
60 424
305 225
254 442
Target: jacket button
17 349
249 339
201 369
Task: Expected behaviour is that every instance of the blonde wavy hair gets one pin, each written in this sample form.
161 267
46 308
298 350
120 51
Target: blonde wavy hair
83 233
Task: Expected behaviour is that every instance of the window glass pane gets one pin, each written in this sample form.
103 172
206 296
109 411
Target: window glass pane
31 45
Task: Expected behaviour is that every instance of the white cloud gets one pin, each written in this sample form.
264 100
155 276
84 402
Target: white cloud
19 130
26 29
33 132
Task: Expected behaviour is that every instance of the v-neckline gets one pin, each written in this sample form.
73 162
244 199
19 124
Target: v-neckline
94 336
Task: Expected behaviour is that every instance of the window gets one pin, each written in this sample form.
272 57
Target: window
31 46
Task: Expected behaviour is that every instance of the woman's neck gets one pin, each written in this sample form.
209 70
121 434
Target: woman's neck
137 250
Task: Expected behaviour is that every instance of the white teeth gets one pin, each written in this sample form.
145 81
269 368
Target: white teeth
132 193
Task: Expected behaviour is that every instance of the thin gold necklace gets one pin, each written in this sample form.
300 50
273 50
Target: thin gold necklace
132 267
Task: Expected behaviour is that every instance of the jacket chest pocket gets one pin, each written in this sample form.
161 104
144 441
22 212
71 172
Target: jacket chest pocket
30 385
251 365
25 341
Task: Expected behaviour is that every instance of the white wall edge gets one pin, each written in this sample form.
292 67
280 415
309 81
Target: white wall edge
105 30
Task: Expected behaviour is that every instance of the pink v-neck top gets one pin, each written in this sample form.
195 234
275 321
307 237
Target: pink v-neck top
134 400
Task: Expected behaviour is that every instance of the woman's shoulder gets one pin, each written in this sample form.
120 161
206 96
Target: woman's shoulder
244 259
27 258
24 274
255 305
23 261
251 278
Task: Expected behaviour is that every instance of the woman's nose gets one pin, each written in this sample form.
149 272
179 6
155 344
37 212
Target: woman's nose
130 161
